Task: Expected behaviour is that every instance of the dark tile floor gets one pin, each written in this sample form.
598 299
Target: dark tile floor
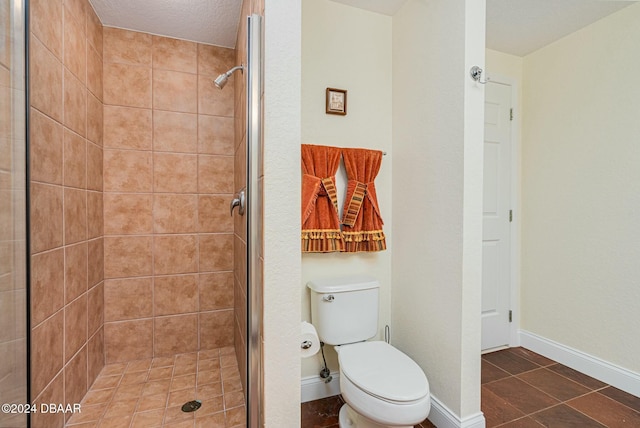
521 389
324 414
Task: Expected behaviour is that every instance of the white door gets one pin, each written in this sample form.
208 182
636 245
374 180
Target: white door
496 263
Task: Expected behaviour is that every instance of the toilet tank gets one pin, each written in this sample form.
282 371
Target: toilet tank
345 309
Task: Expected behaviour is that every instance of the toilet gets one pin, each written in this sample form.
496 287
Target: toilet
382 386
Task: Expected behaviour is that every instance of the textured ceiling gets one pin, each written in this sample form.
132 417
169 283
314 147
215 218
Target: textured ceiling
213 22
519 27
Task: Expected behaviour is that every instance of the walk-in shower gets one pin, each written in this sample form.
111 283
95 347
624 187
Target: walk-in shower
249 200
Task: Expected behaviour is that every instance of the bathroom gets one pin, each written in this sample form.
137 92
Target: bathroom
445 263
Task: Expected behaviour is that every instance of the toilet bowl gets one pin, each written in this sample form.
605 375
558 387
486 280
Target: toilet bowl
382 387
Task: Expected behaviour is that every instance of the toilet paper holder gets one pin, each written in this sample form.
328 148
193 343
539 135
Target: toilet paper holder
306 344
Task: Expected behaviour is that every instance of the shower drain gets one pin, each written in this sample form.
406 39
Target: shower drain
191 406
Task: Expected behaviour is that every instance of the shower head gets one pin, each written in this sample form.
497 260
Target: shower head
222 79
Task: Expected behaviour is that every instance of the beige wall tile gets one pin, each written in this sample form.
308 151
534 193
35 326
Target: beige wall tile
126 47
240 309
75 326
175 173
95 215
52 393
75 104
213 213
215 174
46 148
94 30
75 271
127 128
175 213
67 215
128 214
175 54
216 291
95 122
215 135
47 351
45 80
240 259
127 85
96 356
75 160
175 132
175 91
215 60
75 50
216 329
127 256
46 217
216 252
94 72
95 309
174 254
95 261
47 284
94 167
75 215
213 101
175 294
176 334
77 9
75 375
46 23
127 171
129 298
128 340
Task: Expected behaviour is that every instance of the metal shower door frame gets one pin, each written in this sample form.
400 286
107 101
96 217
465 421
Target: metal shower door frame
255 66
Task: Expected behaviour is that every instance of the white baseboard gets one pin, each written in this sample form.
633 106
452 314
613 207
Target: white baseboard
595 367
314 387
442 417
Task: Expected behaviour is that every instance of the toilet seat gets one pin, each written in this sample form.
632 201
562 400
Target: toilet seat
383 371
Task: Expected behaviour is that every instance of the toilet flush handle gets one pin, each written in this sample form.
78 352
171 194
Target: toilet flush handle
328 298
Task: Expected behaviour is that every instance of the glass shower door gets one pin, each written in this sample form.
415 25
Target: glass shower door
13 228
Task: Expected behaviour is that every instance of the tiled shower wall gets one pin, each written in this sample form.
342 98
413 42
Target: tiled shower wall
66 203
168 181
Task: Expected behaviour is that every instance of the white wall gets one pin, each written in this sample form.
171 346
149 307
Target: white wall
437 195
581 190
348 48
281 330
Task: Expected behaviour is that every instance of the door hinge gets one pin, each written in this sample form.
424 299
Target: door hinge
510 316
511 113
510 216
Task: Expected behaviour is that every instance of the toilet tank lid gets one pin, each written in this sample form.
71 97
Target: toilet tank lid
343 283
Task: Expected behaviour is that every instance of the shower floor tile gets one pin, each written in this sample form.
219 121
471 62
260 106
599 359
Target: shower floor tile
150 393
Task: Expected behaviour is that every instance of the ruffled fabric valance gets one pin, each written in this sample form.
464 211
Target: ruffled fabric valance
320 223
362 222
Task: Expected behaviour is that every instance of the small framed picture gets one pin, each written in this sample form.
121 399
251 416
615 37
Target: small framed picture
336 102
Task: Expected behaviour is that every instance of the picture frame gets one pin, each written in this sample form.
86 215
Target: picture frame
336 101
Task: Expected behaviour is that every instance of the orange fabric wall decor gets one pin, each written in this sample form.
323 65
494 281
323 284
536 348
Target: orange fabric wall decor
320 224
362 222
